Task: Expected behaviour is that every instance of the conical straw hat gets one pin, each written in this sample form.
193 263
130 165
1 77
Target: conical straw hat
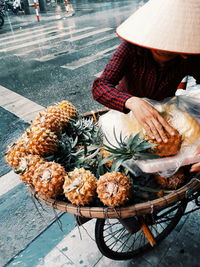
168 25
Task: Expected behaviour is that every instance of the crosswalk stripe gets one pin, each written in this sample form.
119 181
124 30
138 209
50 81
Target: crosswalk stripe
21 106
8 182
42 47
30 32
82 36
31 37
86 60
61 52
42 40
20 30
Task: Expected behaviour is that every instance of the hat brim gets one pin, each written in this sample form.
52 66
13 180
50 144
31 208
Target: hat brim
175 26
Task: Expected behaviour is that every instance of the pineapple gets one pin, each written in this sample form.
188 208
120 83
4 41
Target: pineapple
172 182
80 186
68 108
41 141
171 147
114 189
47 121
27 167
48 179
15 153
57 112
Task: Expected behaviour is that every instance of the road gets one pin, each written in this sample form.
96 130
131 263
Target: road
43 63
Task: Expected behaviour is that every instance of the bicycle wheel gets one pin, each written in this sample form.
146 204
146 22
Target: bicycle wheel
1 21
117 243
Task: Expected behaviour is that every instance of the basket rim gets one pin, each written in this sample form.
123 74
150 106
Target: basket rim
120 212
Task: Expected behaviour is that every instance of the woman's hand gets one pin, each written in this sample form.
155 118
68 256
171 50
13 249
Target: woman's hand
150 119
196 166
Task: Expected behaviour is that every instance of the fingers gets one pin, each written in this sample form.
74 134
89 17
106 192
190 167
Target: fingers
155 130
195 167
166 125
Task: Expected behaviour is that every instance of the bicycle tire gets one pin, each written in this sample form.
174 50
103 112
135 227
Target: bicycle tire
109 252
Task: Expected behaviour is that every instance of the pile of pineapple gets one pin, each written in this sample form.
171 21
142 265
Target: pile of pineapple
60 154
63 154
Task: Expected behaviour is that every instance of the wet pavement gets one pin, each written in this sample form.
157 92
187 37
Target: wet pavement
43 63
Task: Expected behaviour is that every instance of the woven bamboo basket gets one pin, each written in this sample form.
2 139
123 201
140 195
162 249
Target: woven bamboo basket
125 211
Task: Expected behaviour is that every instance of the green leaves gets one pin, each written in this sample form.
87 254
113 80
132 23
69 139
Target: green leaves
131 147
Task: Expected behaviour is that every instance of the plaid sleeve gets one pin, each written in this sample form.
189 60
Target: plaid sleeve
104 88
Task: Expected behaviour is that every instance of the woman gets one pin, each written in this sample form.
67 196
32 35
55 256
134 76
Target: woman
161 46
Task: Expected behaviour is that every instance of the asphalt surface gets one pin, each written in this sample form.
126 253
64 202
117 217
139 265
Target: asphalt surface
43 63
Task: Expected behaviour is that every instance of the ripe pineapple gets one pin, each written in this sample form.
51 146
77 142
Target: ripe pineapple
172 182
68 108
47 121
114 189
27 167
15 153
57 112
48 179
41 141
80 186
171 147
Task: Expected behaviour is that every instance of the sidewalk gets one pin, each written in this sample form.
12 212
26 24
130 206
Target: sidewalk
78 248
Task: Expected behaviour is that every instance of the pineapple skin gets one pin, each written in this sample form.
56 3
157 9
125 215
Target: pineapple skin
48 121
27 167
114 189
68 108
80 186
41 141
172 182
15 154
48 179
58 113
170 148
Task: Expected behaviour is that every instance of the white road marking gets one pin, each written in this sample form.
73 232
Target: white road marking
54 55
82 36
28 32
42 40
8 182
40 48
86 60
21 106
21 29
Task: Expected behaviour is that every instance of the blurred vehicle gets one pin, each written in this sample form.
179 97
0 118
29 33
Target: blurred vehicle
1 19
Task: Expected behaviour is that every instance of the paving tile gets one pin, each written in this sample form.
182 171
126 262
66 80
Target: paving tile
185 250
139 262
55 259
81 247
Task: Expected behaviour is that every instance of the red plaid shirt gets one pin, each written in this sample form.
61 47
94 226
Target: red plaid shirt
132 71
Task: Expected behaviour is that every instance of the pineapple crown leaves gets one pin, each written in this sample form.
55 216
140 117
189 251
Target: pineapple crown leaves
131 147
87 131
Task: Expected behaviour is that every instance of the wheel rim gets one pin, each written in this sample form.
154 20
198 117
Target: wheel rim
116 242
